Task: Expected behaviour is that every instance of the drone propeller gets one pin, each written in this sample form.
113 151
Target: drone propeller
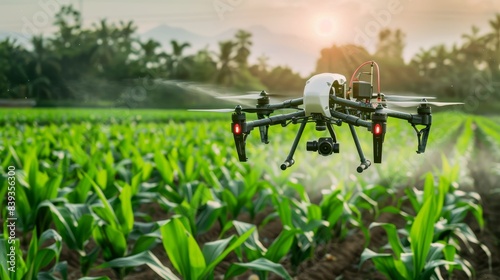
406 97
247 110
252 95
415 103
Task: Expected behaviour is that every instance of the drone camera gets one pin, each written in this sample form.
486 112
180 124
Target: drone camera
237 127
361 90
324 146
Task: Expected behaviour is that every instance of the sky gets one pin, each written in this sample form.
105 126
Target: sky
321 22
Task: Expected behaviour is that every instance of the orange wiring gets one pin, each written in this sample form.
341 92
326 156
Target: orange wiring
363 64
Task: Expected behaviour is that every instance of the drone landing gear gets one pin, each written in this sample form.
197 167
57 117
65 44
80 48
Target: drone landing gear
289 159
364 162
325 146
422 136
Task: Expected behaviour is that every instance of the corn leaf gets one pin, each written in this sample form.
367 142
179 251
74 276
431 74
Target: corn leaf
182 249
385 263
212 250
392 236
421 235
281 245
125 212
111 241
255 247
108 212
261 264
163 166
207 216
216 247
144 258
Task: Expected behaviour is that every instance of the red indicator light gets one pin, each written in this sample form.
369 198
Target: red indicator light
236 128
377 129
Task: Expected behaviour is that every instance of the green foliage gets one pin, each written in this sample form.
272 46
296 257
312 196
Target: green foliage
42 252
187 257
431 237
104 178
75 223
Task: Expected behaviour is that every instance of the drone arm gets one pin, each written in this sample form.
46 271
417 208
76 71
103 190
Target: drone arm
287 104
273 120
400 115
351 119
353 104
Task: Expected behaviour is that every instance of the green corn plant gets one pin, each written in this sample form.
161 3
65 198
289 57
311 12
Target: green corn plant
188 259
238 192
427 250
114 226
40 255
256 253
341 207
420 260
452 207
34 188
305 219
173 170
194 201
75 223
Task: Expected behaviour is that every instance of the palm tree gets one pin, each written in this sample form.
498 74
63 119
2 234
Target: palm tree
226 63
124 35
178 64
150 56
45 69
494 36
243 44
473 46
493 41
204 66
73 45
103 55
262 63
127 29
420 60
15 70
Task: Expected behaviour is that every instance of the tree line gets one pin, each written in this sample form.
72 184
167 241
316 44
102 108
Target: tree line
107 64
469 71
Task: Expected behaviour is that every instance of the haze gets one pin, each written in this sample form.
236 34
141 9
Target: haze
322 23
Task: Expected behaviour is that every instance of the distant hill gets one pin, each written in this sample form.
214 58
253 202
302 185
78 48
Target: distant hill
282 49
14 35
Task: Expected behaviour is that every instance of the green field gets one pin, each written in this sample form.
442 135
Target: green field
125 194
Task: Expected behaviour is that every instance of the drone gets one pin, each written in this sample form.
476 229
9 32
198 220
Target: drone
330 100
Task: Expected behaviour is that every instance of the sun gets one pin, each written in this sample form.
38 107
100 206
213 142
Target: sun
325 26
325 29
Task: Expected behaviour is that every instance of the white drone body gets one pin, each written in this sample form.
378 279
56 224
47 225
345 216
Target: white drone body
317 93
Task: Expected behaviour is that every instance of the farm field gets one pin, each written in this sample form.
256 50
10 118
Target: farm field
124 194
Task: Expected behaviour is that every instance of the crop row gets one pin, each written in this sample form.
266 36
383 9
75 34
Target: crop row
91 181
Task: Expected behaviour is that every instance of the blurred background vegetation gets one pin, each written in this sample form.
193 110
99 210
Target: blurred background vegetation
108 65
